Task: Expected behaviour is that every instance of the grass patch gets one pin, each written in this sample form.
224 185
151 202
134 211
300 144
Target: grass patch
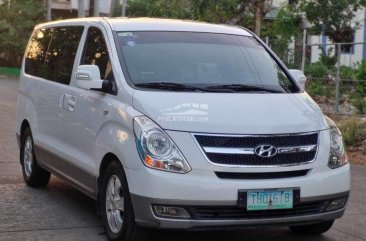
11 72
353 131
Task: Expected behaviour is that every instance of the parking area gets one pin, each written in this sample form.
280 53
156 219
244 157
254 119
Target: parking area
59 212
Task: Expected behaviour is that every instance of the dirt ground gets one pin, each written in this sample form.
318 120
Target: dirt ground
356 157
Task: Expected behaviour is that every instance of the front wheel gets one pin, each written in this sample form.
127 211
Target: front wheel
312 229
116 207
33 174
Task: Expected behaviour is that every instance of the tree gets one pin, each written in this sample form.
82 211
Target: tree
159 8
16 23
218 11
259 8
233 12
332 17
283 30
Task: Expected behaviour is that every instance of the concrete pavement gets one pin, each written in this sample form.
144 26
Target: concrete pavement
59 212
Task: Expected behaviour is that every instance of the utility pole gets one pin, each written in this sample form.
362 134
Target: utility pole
48 10
124 5
303 60
81 9
96 8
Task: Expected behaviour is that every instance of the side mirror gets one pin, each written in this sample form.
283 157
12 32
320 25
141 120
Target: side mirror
88 77
299 76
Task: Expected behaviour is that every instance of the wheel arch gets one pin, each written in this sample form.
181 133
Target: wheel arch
24 125
107 159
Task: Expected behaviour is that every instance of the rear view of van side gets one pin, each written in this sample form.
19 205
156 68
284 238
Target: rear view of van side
177 125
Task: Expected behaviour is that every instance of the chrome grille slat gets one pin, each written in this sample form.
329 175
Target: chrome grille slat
292 149
250 151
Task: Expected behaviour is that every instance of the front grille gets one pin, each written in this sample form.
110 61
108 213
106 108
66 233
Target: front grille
254 160
209 142
260 175
234 212
253 141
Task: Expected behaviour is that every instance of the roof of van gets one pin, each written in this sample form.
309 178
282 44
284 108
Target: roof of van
157 24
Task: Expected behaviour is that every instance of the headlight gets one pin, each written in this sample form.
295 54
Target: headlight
338 155
156 149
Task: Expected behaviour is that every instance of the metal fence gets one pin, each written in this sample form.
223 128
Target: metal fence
336 74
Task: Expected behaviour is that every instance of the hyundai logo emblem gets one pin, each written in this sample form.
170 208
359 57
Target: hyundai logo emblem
265 151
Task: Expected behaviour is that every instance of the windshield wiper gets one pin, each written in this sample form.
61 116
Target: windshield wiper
171 86
243 88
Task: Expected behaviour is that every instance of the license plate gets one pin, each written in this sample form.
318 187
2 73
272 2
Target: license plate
269 199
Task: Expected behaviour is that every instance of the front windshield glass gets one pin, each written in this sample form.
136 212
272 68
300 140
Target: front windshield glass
204 60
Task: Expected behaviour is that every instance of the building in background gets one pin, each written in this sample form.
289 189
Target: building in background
68 8
351 54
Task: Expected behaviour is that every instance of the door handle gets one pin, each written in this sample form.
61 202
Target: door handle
69 102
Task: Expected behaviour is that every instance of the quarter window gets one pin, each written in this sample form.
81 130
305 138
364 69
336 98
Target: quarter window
51 53
36 52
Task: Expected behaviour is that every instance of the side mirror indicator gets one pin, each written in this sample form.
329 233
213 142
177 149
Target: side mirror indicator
88 77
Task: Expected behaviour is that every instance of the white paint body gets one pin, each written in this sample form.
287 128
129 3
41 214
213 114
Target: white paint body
70 123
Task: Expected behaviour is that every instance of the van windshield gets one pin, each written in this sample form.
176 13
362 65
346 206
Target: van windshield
206 62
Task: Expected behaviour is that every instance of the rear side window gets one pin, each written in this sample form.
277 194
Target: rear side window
52 52
36 52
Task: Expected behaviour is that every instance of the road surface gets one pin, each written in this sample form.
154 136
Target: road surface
59 212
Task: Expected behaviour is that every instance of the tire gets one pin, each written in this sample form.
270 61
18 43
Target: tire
312 229
33 175
116 206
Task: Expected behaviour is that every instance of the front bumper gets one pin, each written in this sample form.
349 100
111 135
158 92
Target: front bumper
146 217
202 187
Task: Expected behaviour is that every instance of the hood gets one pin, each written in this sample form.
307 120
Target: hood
231 113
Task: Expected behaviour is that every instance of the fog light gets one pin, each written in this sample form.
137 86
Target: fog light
336 204
172 212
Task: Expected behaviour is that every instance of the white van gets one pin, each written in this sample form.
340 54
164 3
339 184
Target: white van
177 125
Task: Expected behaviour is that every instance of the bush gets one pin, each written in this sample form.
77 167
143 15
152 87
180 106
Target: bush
347 73
360 104
328 61
361 71
316 70
352 130
318 88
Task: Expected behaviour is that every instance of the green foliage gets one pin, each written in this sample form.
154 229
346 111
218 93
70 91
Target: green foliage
316 70
287 23
16 24
361 71
332 16
360 104
216 11
316 87
158 8
282 30
347 73
352 130
328 60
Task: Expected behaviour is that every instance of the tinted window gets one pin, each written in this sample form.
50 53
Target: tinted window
61 53
200 59
36 52
96 52
52 52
